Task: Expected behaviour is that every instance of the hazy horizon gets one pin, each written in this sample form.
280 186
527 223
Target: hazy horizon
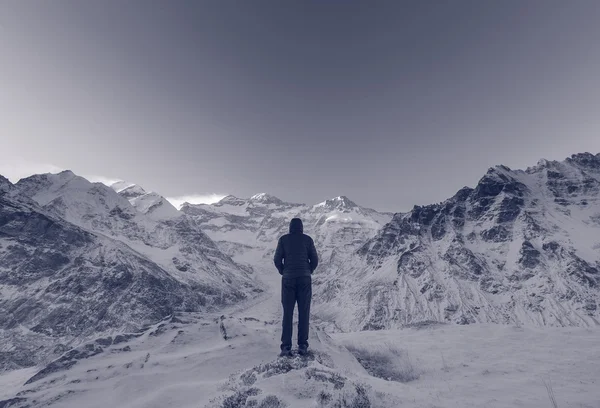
392 104
211 198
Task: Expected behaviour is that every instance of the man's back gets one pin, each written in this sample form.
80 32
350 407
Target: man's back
295 255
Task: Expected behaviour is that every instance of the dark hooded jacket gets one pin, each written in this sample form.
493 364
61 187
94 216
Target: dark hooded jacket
296 255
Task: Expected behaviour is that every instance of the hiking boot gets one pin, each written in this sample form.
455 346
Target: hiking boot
285 353
303 350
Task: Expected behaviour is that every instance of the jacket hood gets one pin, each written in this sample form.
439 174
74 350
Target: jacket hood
296 226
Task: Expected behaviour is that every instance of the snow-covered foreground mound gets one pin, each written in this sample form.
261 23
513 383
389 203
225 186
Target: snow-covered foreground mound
490 365
230 361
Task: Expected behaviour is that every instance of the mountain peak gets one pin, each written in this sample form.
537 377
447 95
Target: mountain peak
230 200
543 163
151 204
337 203
586 160
499 170
66 173
132 192
265 198
45 187
229 197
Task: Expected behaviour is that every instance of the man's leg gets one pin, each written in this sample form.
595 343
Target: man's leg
304 295
288 300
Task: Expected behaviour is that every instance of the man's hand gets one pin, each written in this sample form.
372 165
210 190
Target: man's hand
278 257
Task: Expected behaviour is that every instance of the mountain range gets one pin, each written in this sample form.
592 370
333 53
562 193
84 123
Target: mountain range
521 247
80 260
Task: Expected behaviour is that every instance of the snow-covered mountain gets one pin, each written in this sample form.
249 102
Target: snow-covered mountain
522 246
176 243
84 266
340 227
78 260
150 203
248 229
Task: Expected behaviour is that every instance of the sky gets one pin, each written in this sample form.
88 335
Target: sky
391 103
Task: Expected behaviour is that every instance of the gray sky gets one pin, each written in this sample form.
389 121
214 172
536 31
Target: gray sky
391 103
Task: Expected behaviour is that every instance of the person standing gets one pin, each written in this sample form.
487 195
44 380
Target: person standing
295 259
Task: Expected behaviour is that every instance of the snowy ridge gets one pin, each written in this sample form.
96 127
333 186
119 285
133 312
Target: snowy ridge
122 185
155 206
175 242
149 203
129 192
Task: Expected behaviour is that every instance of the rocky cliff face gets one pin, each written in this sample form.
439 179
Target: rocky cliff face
77 260
522 246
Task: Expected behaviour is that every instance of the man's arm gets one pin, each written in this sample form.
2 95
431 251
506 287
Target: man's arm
312 256
278 258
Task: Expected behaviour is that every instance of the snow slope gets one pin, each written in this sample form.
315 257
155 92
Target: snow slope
152 204
177 244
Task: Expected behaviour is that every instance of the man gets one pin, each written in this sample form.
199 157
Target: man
295 259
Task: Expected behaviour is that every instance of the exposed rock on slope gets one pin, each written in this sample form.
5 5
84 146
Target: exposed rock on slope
177 244
523 246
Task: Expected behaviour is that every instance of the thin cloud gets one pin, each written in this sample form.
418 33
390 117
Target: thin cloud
195 199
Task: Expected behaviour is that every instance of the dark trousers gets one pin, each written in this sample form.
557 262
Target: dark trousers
295 290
